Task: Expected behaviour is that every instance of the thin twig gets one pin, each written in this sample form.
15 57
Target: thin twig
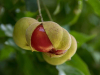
48 13
38 2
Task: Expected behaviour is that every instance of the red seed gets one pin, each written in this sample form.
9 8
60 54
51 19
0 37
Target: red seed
40 40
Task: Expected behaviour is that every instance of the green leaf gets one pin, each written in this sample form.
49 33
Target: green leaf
81 38
95 54
95 4
30 65
68 70
6 52
69 12
77 12
2 34
77 62
8 4
30 14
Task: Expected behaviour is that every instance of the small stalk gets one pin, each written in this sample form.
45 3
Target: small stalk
39 9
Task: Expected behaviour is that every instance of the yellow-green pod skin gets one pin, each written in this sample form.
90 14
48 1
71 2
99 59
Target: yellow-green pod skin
59 37
20 31
57 61
29 32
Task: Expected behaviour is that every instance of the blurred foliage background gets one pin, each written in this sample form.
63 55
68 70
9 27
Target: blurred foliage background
80 17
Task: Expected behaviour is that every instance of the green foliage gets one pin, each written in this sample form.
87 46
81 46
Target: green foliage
68 70
81 38
6 53
2 33
77 63
95 4
30 65
80 17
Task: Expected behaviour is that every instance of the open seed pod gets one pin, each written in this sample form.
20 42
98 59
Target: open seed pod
48 36
60 60
54 41
20 30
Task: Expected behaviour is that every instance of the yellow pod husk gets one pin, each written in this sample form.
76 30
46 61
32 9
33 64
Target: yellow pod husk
57 61
59 37
65 43
20 31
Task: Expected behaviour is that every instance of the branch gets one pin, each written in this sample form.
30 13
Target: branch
39 9
48 13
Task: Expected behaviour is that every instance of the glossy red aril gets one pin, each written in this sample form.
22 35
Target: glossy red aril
40 40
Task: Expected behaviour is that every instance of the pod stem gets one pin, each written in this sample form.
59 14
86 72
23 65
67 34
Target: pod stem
39 9
48 13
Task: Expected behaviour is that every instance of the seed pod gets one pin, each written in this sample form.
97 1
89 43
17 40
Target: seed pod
57 61
55 37
20 30
54 41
